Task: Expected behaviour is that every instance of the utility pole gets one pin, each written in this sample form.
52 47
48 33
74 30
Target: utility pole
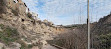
88 22
80 13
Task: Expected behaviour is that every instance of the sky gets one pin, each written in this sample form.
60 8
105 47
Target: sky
67 12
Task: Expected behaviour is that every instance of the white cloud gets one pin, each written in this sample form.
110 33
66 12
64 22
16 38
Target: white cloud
32 5
63 11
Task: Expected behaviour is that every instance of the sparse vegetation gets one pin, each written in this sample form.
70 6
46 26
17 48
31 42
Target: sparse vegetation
104 41
30 46
8 34
30 16
24 45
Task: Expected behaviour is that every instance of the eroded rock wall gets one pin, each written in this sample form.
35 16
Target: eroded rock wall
31 31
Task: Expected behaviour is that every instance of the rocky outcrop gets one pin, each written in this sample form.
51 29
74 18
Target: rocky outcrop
32 31
13 45
103 26
2 7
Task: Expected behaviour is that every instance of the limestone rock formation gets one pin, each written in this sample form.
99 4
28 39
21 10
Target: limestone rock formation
32 31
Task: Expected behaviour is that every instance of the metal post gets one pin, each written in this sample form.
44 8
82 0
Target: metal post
88 19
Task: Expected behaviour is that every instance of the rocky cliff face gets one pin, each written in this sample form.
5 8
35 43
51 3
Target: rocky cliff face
103 26
31 31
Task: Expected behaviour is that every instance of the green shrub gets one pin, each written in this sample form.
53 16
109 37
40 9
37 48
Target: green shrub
30 16
22 46
30 46
105 41
2 26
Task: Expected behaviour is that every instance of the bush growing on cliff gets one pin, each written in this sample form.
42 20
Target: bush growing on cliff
30 16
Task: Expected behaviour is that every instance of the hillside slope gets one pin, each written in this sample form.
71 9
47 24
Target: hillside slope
101 33
31 31
103 26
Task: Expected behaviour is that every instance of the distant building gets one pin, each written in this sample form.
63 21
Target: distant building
16 1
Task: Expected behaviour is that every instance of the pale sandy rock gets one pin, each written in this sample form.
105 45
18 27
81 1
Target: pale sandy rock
27 22
1 45
46 21
35 47
14 45
28 43
1 29
44 42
